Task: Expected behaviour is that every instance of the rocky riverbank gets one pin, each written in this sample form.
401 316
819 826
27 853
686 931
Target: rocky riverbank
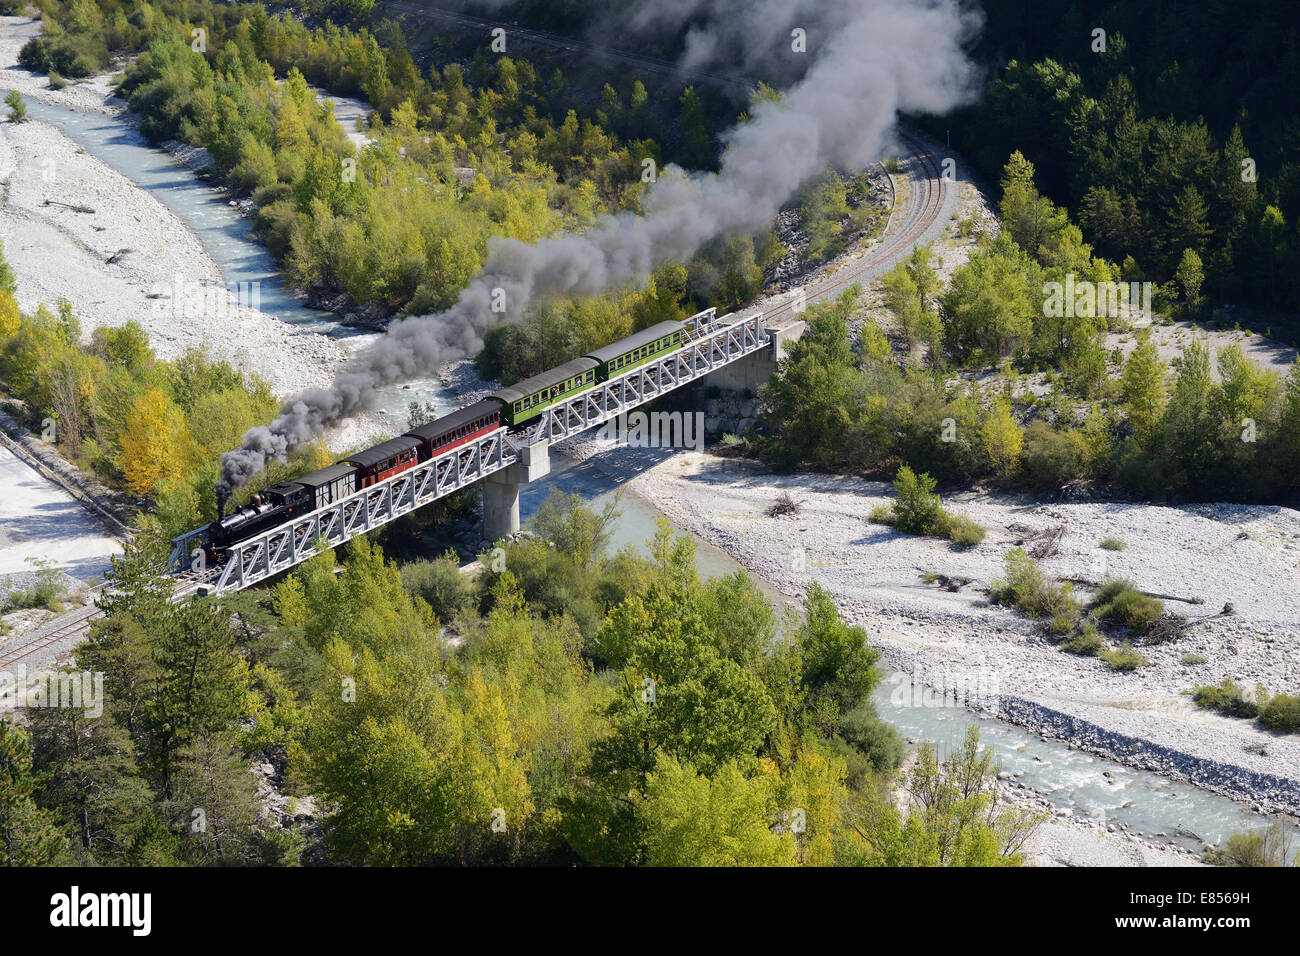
1215 554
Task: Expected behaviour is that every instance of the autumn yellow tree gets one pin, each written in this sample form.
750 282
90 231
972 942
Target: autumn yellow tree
1002 440
9 320
155 441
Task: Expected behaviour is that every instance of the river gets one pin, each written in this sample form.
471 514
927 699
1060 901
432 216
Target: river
1152 805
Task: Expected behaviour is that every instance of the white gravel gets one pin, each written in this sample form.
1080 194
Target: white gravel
39 520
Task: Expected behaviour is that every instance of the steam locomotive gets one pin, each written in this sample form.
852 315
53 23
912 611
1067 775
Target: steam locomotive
512 408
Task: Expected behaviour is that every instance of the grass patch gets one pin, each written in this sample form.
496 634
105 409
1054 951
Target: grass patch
1086 642
882 514
1124 658
1281 713
48 592
1111 544
1119 601
1226 697
1192 659
964 532
1024 587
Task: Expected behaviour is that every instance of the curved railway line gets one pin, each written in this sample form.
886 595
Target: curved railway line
929 193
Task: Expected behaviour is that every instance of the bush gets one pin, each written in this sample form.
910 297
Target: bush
47 591
964 532
1125 658
874 738
1086 643
1192 659
917 509
1111 544
1273 847
1121 602
17 108
882 514
441 584
1052 458
1227 697
1281 713
1024 587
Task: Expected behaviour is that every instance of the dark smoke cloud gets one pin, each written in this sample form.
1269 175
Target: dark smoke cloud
870 59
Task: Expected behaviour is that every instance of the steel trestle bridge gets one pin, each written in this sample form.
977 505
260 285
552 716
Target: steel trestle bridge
711 344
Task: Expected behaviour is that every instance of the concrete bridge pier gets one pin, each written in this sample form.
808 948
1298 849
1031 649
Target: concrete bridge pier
752 371
501 490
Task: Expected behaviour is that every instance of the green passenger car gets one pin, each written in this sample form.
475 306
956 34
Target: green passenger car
532 396
637 349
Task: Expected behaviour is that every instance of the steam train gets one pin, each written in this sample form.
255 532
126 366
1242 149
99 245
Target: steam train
512 408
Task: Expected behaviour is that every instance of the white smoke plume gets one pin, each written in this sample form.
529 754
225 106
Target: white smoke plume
870 59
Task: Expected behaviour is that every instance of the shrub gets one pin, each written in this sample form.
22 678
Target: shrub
1121 602
876 739
1281 713
1052 458
1111 544
917 509
46 592
1086 643
1125 658
441 584
1191 659
964 532
1227 697
882 514
17 108
1272 847
57 82
1024 587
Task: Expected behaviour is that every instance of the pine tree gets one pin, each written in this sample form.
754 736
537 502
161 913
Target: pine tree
29 835
89 776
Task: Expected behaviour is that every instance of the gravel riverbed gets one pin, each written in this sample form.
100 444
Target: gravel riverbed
1246 556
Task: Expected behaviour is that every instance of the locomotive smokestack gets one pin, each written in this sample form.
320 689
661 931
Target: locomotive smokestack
221 503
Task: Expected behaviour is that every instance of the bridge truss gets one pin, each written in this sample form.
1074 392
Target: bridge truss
711 344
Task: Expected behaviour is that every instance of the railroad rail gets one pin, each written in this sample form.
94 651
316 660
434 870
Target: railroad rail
929 194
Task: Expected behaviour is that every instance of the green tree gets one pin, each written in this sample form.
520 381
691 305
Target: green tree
17 108
90 778
1003 440
721 820
1190 276
29 835
1142 385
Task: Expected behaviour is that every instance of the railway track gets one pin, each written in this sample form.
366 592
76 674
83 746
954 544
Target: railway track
926 209
47 640
62 628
